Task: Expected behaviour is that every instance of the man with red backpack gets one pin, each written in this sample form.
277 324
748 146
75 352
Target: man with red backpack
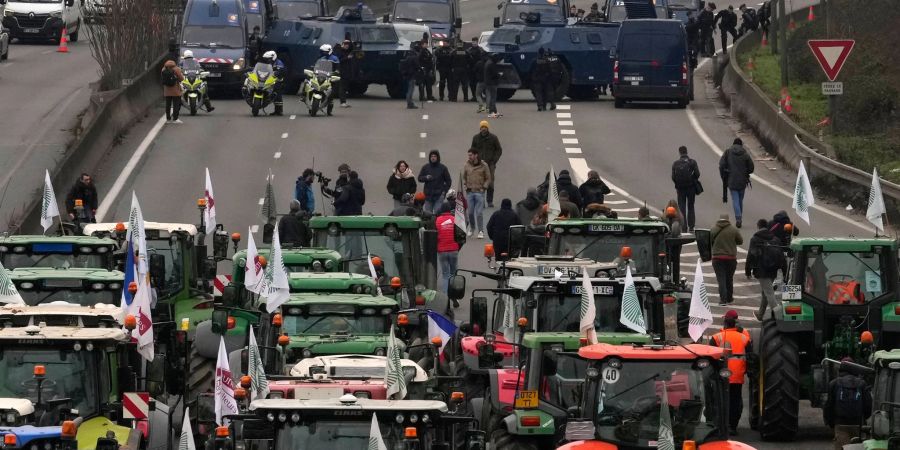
450 239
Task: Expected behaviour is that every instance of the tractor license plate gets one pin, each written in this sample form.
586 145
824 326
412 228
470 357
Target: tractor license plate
607 227
791 292
604 291
633 78
316 393
527 400
215 74
31 30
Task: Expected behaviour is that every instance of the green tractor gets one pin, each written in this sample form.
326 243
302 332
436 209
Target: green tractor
85 252
318 260
883 430
85 287
406 249
841 301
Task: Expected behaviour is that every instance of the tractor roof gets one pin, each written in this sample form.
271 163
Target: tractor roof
603 225
44 273
365 222
650 352
887 355
572 341
326 298
63 321
351 366
110 227
293 256
847 244
358 404
38 239
60 308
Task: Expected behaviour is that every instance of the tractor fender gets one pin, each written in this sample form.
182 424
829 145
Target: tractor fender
510 422
588 445
207 343
494 384
725 445
477 405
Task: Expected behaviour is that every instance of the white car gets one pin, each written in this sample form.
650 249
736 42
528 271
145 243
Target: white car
42 19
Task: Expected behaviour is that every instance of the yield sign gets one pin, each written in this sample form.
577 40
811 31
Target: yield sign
831 53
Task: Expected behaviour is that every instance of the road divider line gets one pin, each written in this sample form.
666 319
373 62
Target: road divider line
567 132
422 155
615 202
570 141
424 116
277 155
564 107
293 116
284 135
566 123
261 201
466 23
423 135
135 159
563 115
573 150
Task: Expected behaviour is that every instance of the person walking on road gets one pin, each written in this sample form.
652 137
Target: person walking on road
528 207
352 198
686 176
436 181
541 86
782 227
83 190
735 167
727 20
410 71
480 87
492 83
303 191
498 228
402 181
848 406
459 74
764 257
707 25
490 151
291 229
593 190
725 241
477 179
171 80
739 340
447 244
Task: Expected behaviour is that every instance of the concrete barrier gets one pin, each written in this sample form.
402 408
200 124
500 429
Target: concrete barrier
108 117
781 136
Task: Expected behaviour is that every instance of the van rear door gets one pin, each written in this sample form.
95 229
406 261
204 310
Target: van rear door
651 59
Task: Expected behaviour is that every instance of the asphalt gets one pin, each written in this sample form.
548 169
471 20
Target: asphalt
43 93
632 148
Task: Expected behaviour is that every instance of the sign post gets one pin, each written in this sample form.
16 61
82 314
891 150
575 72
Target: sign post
831 55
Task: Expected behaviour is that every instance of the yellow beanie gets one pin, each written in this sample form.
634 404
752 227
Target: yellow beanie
484 123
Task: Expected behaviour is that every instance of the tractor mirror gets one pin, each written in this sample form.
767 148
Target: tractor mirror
206 408
704 244
478 311
156 375
219 321
456 289
158 269
516 240
881 424
229 295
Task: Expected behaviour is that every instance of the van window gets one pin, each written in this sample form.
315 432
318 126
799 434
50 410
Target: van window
377 35
227 13
595 38
664 48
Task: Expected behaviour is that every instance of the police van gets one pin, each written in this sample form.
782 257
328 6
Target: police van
42 20
216 32
651 62
441 16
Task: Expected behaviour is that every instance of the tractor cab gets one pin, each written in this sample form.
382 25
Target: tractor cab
83 252
296 260
632 392
85 287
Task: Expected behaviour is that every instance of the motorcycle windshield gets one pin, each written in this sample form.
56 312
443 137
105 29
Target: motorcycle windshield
263 70
190 65
323 67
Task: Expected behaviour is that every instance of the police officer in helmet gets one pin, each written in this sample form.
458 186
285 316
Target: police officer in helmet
270 57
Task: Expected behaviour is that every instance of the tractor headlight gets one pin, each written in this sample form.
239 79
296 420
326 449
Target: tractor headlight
307 353
12 417
329 264
295 417
282 417
270 417
379 351
399 418
86 250
98 286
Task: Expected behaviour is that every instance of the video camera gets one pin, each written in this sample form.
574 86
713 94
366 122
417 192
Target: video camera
322 179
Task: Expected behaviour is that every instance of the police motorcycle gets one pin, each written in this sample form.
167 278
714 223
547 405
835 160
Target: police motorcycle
194 83
259 86
317 87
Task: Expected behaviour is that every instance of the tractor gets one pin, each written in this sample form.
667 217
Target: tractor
295 260
840 301
85 287
70 252
883 429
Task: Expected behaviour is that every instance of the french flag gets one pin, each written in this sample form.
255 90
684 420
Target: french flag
130 271
440 326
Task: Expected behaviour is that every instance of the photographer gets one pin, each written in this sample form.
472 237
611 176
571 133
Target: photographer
342 181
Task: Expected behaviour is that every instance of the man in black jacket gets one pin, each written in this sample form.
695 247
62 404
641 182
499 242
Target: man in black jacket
489 149
540 81
442 58
727 20
291 229
459 73
352 198
436 181
848 406
475 54
763 261
686 175
498 227
564 183
492 83
735 167
345 55
410 70
85 191
707 25
426 62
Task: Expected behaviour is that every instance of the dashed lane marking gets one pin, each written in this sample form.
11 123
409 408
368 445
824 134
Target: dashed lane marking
570 141
277 155
293 116
564 107
424 116
565 123
615 202
421 154
466 23
567 132
573 150
284 135
423 135
261 201
563 115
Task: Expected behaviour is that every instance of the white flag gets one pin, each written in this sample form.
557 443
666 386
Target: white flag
49 207
375 440
632 316
665 439
253 270
277 290
553 208
259 385
508 324
224 387
187 434
138 236
588 309
876 202
394 379
803 195
140 309
209 214
699 316
374 273
8 292
459 212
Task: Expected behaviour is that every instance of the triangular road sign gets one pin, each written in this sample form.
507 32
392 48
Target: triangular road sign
831 53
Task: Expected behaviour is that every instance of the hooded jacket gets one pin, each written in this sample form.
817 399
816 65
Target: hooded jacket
435 177
725 240
87 193
476 176
564 183
498 226
592 191
173 91
488 146
735 166
752 265
776 226
528 207
351 200
401 183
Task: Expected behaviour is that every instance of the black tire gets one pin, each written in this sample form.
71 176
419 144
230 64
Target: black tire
501 439
753 380
74 36
619 103
200 376
505 94
193 106
329 108
780 372
314 108
396 90
255 107
358 88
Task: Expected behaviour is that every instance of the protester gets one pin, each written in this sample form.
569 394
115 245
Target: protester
436 181
476 178
739 340
352 198
686 176
782 227
171 80
725 241
406 207
764 257
644 213
568 209
848 406
490 151
674 219
291 229
83 190
735 167
528 207
447 245
402 181
303 191
593 189
498 227
564 183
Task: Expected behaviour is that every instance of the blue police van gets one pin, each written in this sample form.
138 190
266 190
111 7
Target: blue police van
651 62
216 32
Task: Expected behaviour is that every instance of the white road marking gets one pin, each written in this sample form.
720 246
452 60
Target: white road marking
421 154
113 193
628 210
284 135
254 228
563 115
424 116
564 107
277 155
466 23
745 308
565 123
615 202
570 141
293 116
423 135
573 150
261 201
567 132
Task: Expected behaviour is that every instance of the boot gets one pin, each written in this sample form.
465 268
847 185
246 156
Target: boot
279 107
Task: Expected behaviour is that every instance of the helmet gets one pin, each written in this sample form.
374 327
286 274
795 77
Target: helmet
187 54
270 55
325 48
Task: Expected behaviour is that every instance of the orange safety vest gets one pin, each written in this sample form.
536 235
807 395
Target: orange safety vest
844 293
738 341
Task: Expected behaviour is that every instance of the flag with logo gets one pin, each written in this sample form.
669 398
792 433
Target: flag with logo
459 211
277 290
8 292
209 214
253 270
138 236
130 273
553 207
374 273
665 439
259 385
140 309
876 203
394 379
508 324
375 440
588 308
186 442
440 326
803 194
699 316
267 208
49 207
632 315
225 404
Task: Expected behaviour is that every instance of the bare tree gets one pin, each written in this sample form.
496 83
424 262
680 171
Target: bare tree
130 36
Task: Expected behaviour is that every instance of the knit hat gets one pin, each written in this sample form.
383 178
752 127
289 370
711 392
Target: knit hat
731 314
483 124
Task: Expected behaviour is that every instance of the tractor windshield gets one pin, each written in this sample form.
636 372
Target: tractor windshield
629 402
844 278
606 248
332 319
173 257
562 312
347 434
355 247
55 260
78 297
70 374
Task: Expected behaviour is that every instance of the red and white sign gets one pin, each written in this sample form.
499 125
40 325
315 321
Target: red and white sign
219 284
831 54
135 405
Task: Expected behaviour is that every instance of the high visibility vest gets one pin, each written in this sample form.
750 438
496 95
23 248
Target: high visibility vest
737 341
844 293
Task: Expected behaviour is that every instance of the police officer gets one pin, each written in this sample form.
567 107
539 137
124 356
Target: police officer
849 404
540 80
442 57
459 73
738 340
556 75
707 23
426 62
727 20
476 54
270 57
345 56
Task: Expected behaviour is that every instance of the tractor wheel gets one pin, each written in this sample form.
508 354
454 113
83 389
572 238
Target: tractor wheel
505 94
753 380
396 90
201 374
501 439
683 317
780 372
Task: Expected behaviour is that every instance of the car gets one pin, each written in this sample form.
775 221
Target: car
43 20
652 63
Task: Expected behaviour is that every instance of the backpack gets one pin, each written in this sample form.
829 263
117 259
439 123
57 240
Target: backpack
848 399
684 173
771 255
168 78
